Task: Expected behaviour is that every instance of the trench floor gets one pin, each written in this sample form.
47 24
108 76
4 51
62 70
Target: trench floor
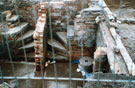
28 69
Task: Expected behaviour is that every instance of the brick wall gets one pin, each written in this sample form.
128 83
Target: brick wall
59 19
38 37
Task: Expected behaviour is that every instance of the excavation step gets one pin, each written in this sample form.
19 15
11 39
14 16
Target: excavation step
27 46
16 30
62 36
29 55
26 35
26 38
54 43
56 56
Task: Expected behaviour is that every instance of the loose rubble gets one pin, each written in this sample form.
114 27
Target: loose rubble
109 76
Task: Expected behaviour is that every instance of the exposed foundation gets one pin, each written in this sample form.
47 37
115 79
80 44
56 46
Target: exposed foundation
66 34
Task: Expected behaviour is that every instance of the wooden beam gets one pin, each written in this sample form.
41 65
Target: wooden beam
116 62
130 64
115 45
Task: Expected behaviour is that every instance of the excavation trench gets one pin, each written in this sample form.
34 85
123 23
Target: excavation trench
66 63
68 45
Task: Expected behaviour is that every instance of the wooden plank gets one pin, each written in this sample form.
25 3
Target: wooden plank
117 65
115 41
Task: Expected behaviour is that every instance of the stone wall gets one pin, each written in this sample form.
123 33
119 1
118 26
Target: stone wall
62 12
83 33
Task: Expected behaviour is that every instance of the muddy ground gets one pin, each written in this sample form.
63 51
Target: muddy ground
23 69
